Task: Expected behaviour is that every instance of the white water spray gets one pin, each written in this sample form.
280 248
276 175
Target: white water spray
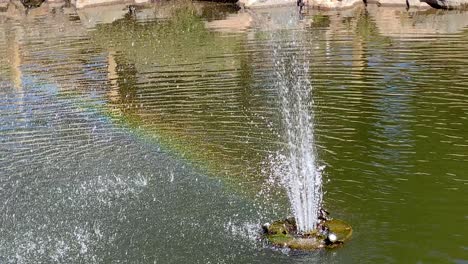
300 173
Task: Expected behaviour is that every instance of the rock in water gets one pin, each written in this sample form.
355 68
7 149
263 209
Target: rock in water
330 233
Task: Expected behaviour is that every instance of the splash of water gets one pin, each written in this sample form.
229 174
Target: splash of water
300 173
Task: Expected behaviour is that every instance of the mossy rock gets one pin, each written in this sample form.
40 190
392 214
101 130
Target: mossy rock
340 228
283 233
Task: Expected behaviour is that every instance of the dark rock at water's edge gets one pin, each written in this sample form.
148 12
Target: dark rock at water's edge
32 3
330 233
447 4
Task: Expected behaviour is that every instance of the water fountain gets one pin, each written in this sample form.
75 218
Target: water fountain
301 177
310 228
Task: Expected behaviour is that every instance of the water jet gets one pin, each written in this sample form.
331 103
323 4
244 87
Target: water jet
299 170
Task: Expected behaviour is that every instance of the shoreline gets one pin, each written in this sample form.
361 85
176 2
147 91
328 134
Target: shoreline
325 5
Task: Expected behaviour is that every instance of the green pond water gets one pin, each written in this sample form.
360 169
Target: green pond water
150 138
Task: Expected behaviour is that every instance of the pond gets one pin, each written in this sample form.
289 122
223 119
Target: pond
149 137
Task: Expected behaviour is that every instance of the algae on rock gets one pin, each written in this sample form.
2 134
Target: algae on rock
283 233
